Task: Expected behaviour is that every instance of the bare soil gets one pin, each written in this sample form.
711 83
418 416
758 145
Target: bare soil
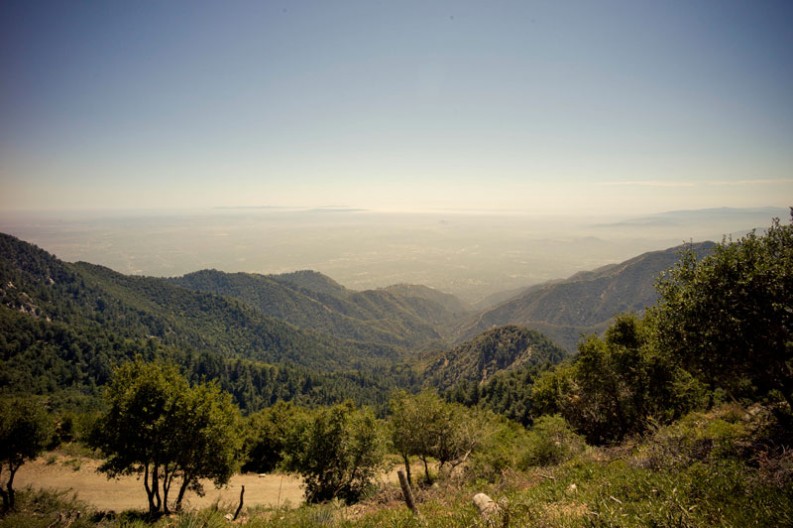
79 476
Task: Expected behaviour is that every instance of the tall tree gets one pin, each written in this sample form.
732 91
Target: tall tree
426 426
208 439
158 426
337 452
25 429
416 426
728 318
615 384
268 434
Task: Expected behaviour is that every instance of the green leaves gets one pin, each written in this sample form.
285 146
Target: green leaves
728 318
616 385
337 451
158 425
25 429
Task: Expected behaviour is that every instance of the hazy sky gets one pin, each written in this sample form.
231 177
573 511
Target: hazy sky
592 106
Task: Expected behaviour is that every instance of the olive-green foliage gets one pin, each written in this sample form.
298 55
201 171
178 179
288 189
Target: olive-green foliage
338 451
500 449
207 438
426 426
699 437
728 318
47 508
25 430
65 326
157 425
414 426
616 384
268 435
550 441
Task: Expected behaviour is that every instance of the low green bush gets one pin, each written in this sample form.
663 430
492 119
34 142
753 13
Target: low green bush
550 441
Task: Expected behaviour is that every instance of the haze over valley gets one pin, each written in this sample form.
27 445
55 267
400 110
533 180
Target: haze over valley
472 256
532 260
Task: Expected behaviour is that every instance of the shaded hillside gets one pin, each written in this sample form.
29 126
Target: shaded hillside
66 325
501 349
408 317
425 302
587 301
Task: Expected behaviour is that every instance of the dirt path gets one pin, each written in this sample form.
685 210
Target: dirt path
127 493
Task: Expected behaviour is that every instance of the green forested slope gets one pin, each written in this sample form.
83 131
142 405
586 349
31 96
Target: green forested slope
65 326
586 302
500 350
409 318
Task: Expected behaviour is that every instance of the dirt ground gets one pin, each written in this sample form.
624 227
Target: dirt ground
79 476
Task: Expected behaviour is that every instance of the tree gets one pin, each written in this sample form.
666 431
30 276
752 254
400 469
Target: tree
208 439
462 431
268 434
728 318
417 424
25 429
157 425
337 452
615 385
426 426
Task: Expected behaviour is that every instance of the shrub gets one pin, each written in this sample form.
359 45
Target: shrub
551 441
697 437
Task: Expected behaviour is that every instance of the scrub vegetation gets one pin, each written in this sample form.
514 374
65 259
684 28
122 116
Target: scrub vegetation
677 417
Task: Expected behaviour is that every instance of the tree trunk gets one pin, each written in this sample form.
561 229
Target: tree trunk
167 478
155 504
152 485
8 496
157 494
182 489
407 493
406 459
426 470
239 508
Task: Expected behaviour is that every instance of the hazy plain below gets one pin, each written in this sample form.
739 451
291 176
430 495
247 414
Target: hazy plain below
471 255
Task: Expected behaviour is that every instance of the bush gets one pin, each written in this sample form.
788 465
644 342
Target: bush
503 444
337 453
551 441
697 437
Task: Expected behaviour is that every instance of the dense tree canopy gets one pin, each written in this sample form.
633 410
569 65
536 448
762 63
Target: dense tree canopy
25 429
337 451
616 385
728 318
157 425
722 324
426 426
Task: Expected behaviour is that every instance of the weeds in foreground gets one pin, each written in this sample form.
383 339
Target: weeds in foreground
708 470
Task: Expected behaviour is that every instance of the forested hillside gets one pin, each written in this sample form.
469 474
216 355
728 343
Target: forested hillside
502 349
295 335
405 317
678 416
66 325
495 370
586 302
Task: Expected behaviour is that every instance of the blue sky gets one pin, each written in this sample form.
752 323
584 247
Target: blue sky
539 107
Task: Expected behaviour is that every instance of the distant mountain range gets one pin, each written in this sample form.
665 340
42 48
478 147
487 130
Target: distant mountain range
586 302
401 317
297 335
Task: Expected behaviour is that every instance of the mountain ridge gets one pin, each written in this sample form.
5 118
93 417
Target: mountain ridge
501 349
71 316
585 302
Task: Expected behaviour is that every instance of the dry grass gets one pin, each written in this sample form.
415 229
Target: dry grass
56 472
